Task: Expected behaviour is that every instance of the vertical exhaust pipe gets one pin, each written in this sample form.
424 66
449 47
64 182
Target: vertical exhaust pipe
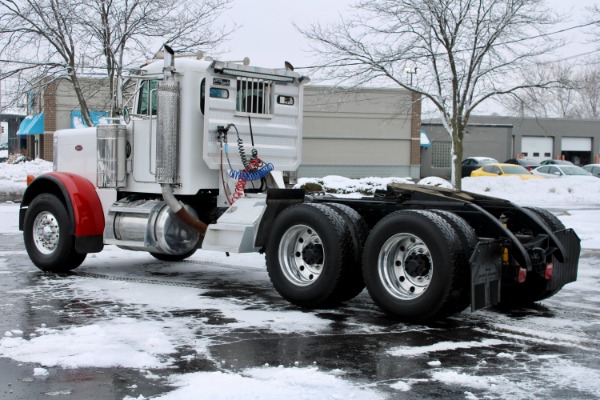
167 142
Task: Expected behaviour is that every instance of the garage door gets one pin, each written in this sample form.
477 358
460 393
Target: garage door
536 147
577 150
576 144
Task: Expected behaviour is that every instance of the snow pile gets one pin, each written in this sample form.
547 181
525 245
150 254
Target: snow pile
339 185
545 192
567 190
435 181
13 177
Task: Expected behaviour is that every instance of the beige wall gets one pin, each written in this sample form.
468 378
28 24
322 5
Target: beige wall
362 132
97 96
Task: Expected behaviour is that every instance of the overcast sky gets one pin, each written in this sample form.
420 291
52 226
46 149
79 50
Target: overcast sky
267 35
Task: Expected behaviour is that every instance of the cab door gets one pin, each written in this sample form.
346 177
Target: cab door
144 132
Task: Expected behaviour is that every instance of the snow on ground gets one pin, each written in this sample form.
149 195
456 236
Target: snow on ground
112 339
267 383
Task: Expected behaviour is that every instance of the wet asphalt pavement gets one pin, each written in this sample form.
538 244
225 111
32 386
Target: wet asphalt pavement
551 350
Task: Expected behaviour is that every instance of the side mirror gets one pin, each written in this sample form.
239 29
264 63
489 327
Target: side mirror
126 116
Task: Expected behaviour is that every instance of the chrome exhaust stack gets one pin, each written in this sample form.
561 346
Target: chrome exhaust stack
167 143
167 130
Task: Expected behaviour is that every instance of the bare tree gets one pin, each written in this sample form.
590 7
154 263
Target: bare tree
43 35
577 94
465 51
558 101
125 31
587 84
41 39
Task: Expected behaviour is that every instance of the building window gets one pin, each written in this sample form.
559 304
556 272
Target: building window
441 154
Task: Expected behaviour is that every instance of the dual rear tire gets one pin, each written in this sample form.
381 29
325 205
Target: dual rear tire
313 257
414 264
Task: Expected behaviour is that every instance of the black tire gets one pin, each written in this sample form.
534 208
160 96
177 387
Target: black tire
535 287
172 257
550 219
306 253
468 241
412 266
47 235
353 283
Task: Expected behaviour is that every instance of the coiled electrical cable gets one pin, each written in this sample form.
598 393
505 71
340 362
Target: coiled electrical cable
252 175
255 169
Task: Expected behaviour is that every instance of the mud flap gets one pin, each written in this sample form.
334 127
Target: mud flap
565 272
277 201
486 263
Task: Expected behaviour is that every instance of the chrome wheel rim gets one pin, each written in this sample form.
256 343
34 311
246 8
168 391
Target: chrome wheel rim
46 233
301 255
405 266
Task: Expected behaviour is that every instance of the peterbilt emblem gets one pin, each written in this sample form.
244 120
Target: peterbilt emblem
79 147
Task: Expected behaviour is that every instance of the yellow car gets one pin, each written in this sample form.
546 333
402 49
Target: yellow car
499 169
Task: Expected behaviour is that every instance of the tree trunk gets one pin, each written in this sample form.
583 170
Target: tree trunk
85 112
457 155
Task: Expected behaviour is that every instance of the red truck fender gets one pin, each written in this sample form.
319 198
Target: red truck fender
81 201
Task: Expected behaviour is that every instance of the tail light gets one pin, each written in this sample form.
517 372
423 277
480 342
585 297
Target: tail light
549 271
522 275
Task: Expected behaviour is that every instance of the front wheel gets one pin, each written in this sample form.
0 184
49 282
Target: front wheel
47 235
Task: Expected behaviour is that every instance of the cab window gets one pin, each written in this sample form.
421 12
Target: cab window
148 97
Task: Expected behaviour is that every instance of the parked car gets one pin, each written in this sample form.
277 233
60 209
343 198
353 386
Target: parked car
523 162
470 164
558 171
500 169
594 169
556 162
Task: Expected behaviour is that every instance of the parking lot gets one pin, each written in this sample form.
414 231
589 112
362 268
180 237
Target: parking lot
125 325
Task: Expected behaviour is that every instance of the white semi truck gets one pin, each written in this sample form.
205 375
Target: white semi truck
197 162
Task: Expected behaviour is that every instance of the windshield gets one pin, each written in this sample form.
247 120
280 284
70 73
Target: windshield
486 161
574 171
514 170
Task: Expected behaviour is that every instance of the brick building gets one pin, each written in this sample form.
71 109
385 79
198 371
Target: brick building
54 106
